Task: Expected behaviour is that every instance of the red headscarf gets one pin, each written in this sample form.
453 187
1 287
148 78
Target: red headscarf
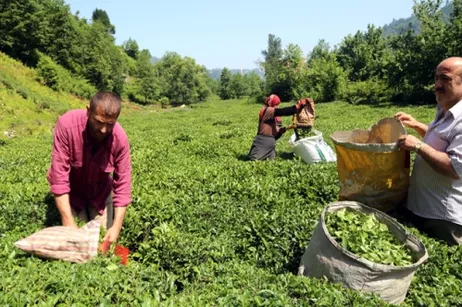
271 101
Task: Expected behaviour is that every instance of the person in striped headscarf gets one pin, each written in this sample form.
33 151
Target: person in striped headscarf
270 127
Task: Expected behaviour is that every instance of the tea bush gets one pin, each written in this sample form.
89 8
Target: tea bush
206 227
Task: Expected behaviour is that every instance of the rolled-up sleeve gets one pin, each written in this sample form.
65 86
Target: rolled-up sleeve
122 179
58 174
455 153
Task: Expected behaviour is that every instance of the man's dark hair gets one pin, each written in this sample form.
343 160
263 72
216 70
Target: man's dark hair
108 101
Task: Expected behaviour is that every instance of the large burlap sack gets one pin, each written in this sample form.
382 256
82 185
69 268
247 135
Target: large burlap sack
371 167
312 149
305 118
325 257
64 243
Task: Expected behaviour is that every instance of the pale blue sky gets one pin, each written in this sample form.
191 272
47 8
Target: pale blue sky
233 33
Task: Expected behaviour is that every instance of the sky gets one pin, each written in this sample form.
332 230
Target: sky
233 33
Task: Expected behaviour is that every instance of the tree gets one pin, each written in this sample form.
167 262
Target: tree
22 24
273 64
364 54
320 51
104 63
274 51
325 78
147 83
454 30
238 87
102 17
183 81
143 64
292 76
254 85
213 84
417 55
225 84
131 48
63 36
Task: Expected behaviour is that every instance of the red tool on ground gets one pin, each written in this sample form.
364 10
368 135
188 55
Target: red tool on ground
119 251
123 253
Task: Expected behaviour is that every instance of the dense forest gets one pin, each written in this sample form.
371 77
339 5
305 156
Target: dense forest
367 67
80 56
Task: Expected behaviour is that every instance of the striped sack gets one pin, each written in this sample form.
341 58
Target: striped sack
64 243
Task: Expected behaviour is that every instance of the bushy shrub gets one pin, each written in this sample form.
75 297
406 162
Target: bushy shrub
131 92
257 97
58 78
371 91
164 101
325 79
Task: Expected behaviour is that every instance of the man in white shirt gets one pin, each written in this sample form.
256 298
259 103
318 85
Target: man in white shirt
435 190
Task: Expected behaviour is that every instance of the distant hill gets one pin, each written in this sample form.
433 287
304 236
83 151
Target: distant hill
399 25
154 60
403 24
216 72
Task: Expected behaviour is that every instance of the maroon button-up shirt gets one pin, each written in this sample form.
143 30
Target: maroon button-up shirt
84 175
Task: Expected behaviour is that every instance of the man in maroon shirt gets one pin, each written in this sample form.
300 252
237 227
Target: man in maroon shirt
88 146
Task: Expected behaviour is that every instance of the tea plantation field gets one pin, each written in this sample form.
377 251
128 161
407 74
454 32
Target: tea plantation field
206 227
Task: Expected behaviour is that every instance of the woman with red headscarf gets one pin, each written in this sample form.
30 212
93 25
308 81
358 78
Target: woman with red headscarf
270 127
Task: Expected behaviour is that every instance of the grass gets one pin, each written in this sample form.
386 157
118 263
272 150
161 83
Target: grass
26 106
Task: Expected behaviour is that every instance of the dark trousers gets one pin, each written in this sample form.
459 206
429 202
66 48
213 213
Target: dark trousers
263 147
438 229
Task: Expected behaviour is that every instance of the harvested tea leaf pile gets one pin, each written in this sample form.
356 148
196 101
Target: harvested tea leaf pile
365 236
305 133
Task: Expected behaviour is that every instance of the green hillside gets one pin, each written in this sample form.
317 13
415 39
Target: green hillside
402 24
26 106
